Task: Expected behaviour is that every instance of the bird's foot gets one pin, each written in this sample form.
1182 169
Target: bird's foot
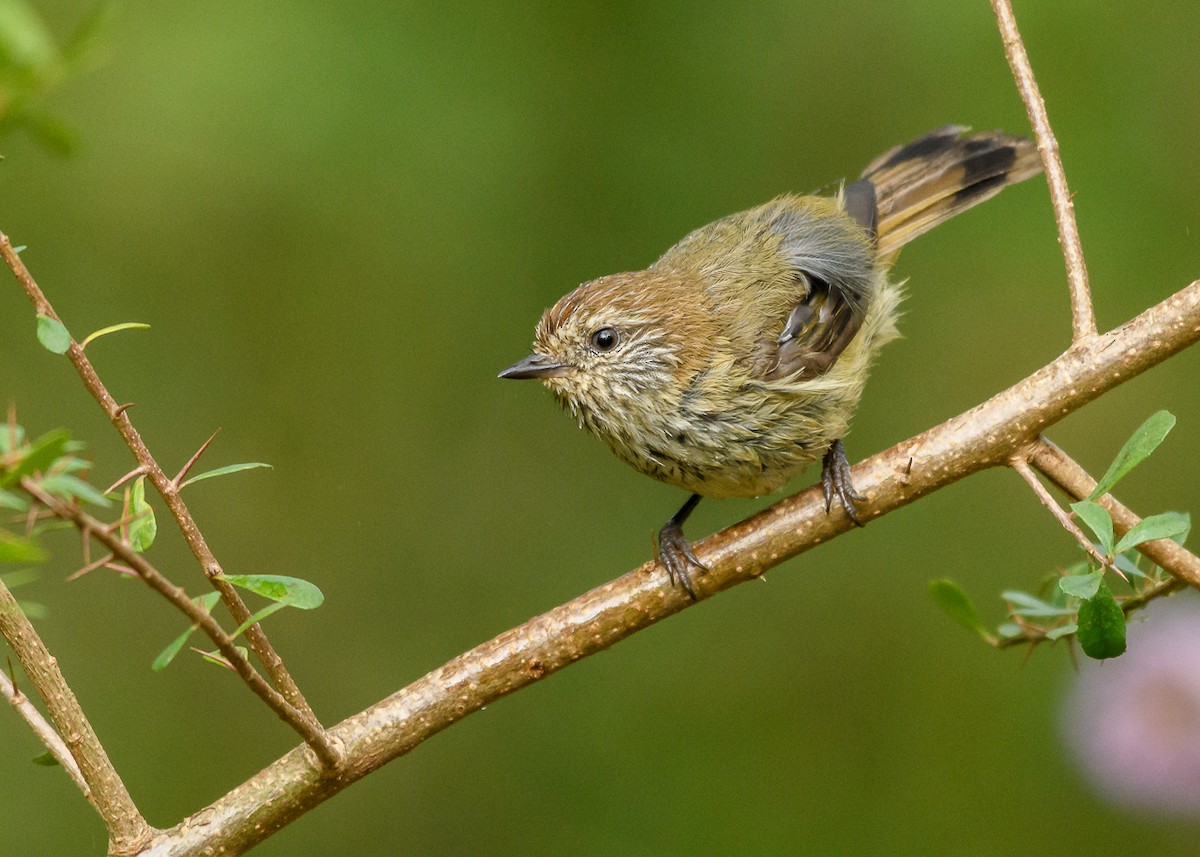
674 553
835 482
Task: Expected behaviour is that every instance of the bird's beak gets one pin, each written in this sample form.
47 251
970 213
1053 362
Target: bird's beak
536 366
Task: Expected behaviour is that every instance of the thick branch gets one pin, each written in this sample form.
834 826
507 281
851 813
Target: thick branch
1083 319
127 830
305 725
985 436
167 489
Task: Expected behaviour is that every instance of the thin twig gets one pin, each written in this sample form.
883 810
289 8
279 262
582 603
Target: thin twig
44 732
1083 318
1020 464
126 827
985 436
135 563
166 488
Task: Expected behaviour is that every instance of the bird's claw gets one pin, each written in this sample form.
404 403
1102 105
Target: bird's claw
674 553
835 482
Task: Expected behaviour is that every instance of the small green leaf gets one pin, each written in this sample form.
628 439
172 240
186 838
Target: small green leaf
258 617
1098 520
1182 537
33 609
954 602
1101 626
11 437
1082 586
20 577
52 334
13 502
1028 605
46 760
1010 630
1154 527
222 471
143 528
105 331
291 591
16 549
1127 565
207 601
71 488
1137 449
40 455
1061 631
215 656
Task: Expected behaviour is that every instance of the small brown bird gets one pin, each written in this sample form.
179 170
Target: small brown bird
738 358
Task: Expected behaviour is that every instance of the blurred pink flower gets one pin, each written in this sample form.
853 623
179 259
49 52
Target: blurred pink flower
1134 722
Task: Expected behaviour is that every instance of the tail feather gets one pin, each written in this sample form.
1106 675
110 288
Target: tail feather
931 179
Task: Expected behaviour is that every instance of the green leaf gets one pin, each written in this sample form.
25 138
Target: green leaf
46 760
1098 520
33 609
1182 537
71 488
14 502
207 601
1028 605
105 331
16 549
1061 631
19 577
52 334
1137 449
1154 527
258 617
143 528
1082 586
222 471
1127 565
11 437
215 657
1101 626
1009 629
41 454
954 602
291 591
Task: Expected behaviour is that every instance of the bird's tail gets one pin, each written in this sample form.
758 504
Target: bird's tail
911 189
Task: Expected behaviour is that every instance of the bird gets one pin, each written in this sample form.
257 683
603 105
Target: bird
738 358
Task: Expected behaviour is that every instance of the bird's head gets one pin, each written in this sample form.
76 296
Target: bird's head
608 348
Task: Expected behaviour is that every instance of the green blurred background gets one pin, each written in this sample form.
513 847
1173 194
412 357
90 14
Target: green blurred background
343 219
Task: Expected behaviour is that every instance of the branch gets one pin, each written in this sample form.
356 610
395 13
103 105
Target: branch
306 726
1020 463
127 830
44 732
986 436
1075 482
1083 319
167 489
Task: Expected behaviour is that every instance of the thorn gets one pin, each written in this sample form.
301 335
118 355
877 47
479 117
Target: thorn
90 567
122 409
192 461
216 658
140 470
121 569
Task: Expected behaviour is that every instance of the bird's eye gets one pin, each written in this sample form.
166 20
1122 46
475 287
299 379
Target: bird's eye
605 339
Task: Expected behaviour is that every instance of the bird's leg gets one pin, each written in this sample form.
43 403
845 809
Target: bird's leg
675 552
835 481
